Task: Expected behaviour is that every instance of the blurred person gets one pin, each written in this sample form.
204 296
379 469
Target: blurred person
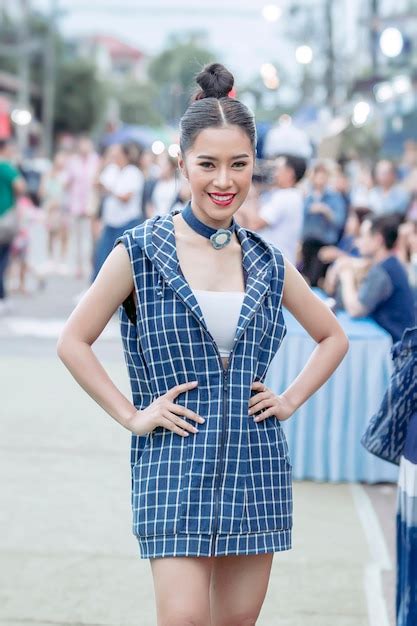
123 189
164 192
324 220
183 195
107 171
387 196
81 170
54 198
156 276
11 185
385 294
361 184
407 252
391 435
410 185
409 159
279 220
346 246
150 171
341 184
19 254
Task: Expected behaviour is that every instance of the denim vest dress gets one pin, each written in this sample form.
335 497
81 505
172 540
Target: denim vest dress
228 488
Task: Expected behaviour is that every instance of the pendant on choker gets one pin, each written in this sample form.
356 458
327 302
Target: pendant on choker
219 237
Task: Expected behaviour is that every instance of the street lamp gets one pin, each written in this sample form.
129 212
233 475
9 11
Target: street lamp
391 42
271 12
304 55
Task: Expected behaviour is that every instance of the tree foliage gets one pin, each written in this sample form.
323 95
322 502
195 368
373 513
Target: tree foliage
174 71
80 97
137 103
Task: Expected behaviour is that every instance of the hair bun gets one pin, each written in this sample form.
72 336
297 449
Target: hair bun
215 82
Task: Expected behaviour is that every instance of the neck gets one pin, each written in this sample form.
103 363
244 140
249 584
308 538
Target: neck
381 255
206 219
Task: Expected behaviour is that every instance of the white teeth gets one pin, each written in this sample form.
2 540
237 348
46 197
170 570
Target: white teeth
221 198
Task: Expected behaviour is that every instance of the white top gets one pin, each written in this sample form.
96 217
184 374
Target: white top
284 213
223 326
129 179
163 196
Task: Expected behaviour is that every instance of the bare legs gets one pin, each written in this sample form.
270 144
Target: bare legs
210 591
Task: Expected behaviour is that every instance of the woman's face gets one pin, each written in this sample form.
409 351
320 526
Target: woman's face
219 168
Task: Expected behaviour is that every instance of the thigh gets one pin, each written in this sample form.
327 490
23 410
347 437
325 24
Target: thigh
182 590
238 588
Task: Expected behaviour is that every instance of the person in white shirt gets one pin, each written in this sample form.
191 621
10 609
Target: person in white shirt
123 186
280 219
165 191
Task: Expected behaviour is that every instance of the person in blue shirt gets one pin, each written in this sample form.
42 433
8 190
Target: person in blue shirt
384 294
324 220
388 196
200 302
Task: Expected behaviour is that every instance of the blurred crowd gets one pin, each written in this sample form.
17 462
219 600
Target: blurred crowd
349 226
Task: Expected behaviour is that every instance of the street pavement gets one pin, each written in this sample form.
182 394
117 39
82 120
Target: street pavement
67 553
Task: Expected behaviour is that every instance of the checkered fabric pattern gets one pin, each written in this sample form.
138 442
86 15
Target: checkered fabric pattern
226 489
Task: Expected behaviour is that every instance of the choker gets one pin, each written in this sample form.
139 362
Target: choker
219 237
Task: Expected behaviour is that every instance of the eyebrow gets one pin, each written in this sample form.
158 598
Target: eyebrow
212 158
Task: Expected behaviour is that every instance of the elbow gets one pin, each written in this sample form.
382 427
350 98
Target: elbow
61 346
344 343
64 347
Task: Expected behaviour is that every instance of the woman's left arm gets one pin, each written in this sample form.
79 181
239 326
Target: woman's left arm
332 345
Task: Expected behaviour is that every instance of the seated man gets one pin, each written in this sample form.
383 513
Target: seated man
384 294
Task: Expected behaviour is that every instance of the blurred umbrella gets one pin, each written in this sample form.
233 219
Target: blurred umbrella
144 135
140 134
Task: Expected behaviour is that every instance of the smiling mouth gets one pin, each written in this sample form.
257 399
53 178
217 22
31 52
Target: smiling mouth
222 197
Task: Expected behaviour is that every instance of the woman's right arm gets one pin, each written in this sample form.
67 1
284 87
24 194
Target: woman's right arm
114 283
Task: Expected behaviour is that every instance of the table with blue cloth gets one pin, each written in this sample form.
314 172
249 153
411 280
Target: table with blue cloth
324 434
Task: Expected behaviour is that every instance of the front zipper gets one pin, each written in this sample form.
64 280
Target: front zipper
225 388
218 477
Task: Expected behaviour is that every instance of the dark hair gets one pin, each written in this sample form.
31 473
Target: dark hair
387 226
361 213
211 106
3 143
133 151
297 164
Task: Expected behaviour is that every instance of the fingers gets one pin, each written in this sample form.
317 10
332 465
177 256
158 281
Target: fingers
175 391
182 410
177 425
259 406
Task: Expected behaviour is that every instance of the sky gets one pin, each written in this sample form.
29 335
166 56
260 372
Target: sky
237 31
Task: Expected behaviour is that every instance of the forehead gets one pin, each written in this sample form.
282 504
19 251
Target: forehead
365 227
221 143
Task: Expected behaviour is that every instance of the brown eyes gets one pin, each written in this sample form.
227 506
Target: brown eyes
240 164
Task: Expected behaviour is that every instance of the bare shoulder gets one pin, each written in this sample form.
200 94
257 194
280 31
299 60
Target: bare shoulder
310 311
113 284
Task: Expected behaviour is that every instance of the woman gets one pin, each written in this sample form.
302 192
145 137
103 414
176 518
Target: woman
392 435
81 171
164 192
217 504
324 220
55 205
122 184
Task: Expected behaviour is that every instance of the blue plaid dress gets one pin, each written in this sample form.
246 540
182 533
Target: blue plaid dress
228 488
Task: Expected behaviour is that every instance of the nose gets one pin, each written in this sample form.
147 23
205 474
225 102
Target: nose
223 179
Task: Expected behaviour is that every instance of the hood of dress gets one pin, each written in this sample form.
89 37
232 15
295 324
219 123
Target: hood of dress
156 237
